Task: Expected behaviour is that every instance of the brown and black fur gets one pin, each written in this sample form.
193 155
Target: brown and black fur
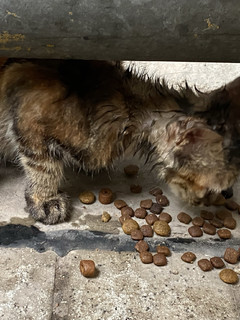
89 113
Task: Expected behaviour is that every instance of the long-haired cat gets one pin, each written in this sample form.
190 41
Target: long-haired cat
90 112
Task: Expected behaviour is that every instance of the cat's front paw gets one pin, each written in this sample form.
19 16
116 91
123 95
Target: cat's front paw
49 211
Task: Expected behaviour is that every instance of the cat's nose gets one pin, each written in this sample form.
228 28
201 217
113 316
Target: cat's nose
228 193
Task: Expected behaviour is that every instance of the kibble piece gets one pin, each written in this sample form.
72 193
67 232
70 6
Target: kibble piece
159 259
209 228
164 216
161 228
127 211
217 262
162 200
151 218
105 216
131 170
146 257
140 213
205 265
219 201
155 191
184 217
164 250
216 223
229 223
87 268
195 231
141 246
231 205
228 276
105 196
124 218
119 204
231 255
223 213
156 208
198 221
207 215
129 225
146 204
137 235
135 188
224 233
147 230
87 197
188 257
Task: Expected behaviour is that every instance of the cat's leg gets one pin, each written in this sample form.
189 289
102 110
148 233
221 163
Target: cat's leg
44 201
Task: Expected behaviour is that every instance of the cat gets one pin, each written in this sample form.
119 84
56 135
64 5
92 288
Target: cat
89 113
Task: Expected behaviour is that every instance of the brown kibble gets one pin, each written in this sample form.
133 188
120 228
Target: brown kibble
223 213
147 230
162 200
216 223
224 233
141 246
105 216
124 218
137 235
156 208
131 170
161 228
140 213
105 196
217 262
228 276
146 204
205 265
184 217
188 257
164 250
146 257
87 197
195 231
127 211
87 268
198 221
159 259
209 228
206 215
155 191
231 255
220 200
229 223
129 225
135 188
151 218
119 204
231 205
164 216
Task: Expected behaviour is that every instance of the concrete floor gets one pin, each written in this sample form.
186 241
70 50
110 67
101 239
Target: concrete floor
39 266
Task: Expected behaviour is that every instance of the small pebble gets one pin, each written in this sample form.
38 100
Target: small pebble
129 225
188 257
184 217
231 255
205 265
156 208
209 228
164 216
159 259
164 250
137 235
198 221
135 188
229 223
161 228
119 204
105 216
206 215
217 262
140 213
146 204
146 257
141 246
162 200
224 233
228 276
146 230
151 218
195 231
155 191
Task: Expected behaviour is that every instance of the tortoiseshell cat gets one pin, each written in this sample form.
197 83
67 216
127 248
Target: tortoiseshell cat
89 112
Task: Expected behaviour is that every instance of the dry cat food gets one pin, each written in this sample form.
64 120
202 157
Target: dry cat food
141 246
147 230
217 262
228 276
224 233
164 250
184 217
87 197
209 228
140 213
195 231
105 196
223 213
119 204
198 221
155 191
127 211
164 216
216 223
161 228
87 268
205 265
188 257
151 218
105 216
156 208
146 257
135 188
231 205
231 255
159 259
129 225
146 204
229 223
124 218
162 200
137 234
206 215
131 170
